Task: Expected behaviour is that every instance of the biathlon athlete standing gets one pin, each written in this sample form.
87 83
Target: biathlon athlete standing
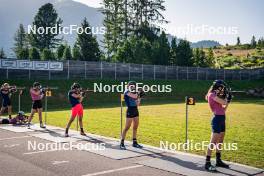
6 92
75 96
132 100
37 95
218 99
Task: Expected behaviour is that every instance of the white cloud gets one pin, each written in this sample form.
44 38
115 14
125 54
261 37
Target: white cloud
91 3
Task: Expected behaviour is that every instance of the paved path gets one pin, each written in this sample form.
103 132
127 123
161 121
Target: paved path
17 159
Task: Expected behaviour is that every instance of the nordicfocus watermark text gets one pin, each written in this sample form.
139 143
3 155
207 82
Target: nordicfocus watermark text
203 145
191 29
100 87
35 146
66 30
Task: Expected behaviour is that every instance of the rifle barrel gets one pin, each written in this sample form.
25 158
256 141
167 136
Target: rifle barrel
21 88
238 91
50 88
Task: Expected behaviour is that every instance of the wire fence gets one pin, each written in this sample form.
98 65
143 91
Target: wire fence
121 71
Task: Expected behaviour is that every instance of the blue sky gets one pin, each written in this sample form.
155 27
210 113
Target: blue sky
221 20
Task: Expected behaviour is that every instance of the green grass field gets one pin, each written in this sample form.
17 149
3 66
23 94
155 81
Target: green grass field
167 123
162 116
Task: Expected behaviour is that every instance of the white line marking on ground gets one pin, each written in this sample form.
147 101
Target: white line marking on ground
59 162
113 170
11 146
19 137
42 151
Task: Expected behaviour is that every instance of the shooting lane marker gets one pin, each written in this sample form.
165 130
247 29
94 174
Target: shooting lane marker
17 129
121 113
42 151
57 137
48 93
114 170
20 92
11 146
59 162
188 101
20 137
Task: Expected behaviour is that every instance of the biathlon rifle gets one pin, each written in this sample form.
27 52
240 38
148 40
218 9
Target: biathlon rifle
84 91
238 91
47 88
14 89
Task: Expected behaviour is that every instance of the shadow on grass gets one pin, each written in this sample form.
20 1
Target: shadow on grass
180 89
148 101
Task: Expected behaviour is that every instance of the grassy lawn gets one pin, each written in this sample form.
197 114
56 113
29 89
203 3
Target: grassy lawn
167 123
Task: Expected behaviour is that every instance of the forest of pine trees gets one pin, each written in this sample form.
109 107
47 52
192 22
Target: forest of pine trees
49 46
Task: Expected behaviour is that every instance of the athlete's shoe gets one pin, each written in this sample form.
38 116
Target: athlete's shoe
28 125
83 134
136 145
220 163
41 125
122 146
66 135
209 167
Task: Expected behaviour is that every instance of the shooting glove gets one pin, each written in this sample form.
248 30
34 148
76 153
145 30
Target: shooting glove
141 93
83 94
42 91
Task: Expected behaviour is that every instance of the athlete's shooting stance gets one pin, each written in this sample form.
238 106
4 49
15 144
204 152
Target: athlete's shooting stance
37 94
75 97
132 100
218 98
6 92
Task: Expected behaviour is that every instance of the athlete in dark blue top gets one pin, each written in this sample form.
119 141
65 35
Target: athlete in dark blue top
72 98
6 102
132 100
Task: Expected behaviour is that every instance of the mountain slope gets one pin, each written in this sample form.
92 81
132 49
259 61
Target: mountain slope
199 44
205 44
14 12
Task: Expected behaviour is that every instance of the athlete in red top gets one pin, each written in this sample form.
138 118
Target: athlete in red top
75 97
